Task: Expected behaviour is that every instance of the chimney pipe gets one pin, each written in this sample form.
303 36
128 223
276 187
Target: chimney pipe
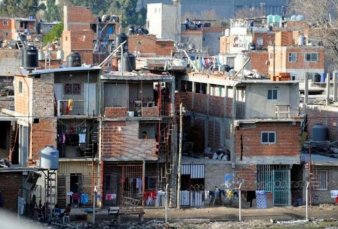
327 89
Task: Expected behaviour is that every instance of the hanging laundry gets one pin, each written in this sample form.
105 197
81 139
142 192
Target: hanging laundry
84 198
70 104
82 138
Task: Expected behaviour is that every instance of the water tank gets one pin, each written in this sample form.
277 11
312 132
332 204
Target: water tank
74 59
129 63
122 37
41 55
319 132
49 158
299 17
30 57
240 61
301 40
293 17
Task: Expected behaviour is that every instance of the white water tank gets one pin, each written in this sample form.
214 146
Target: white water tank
301 40
240 60
49 158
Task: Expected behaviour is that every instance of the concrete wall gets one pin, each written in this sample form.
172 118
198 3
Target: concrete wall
323 196
258 106
163 21
22 101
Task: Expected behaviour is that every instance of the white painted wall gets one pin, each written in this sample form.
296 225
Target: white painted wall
164 21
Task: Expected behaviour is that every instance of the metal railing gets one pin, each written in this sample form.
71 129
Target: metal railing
75 107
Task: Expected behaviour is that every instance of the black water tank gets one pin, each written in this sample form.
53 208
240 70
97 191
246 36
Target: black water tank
130 62
319 132
122 37
30 57
74 59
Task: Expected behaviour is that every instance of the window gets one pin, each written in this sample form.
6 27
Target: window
311 57
72 89
5 22
268 137
272 94
20 86
292 57
321 178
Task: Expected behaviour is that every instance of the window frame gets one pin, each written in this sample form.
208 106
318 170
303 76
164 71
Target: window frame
311 53
72 89
292 57
319 180
20 87
268 142
274 94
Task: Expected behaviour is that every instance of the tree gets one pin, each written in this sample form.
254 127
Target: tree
249 12
127 10
52 11
322 17
23 8
54 34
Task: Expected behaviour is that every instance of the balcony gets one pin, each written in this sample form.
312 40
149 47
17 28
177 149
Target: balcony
138 109
75 108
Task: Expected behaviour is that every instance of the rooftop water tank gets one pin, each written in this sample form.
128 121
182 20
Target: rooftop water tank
122 37
49 158
299 17
74 59
240 61
30 57
319 132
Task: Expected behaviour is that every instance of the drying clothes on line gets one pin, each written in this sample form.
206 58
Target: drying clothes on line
84 198
110 196
82 138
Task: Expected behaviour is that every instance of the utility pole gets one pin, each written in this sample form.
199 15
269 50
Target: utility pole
179 157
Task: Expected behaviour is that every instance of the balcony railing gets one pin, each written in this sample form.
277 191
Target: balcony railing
283 111
75 107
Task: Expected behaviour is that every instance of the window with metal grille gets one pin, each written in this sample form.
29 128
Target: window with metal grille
321 178
268 137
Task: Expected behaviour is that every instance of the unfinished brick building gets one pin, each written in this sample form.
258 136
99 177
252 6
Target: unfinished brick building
239 131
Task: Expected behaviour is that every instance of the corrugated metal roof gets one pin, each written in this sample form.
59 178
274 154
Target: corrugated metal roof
317 159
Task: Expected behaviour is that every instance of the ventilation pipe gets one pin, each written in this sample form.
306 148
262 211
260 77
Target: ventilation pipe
334 76
327 89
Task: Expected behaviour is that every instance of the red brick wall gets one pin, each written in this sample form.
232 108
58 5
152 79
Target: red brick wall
82 17
268 38
42 134
198 103
5 29
320 115
287 141
247 174
150 112
259 61
147 44
120 140
115 112
9 188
